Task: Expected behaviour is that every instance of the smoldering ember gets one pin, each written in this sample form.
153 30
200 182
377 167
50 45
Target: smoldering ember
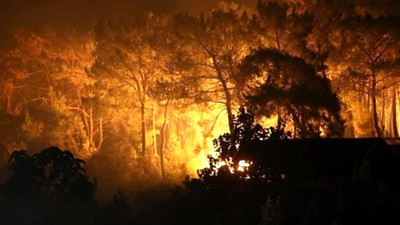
235 112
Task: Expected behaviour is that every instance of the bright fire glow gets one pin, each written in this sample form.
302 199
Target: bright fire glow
220 164
191 133
244 165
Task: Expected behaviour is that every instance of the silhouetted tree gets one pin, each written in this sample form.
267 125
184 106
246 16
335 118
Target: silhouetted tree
52 172
227 146
284 85
216 42
25 174
225 195
127 51
282 28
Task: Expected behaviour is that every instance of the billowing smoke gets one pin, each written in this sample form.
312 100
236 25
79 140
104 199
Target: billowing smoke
76 12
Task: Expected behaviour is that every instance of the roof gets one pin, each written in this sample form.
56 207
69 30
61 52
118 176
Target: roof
327 156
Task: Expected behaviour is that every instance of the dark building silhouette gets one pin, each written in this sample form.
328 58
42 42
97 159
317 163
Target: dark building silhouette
336 178
319 159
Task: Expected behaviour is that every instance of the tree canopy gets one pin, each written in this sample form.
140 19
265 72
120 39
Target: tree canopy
52 172
288 86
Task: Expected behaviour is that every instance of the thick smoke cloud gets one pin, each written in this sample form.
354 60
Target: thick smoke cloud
33 13
83 12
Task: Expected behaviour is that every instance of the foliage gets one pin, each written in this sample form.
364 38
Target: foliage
215 43
52 172
287 86
229 144
370 60
283 28
233 196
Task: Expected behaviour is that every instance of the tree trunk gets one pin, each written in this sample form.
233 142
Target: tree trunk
279 120
375 121
228 97
143 126
230 116
163 141
297 128
101 134
228 103
383 112
394 114
277 39
91 128
154 129
304 133
278 46
7 97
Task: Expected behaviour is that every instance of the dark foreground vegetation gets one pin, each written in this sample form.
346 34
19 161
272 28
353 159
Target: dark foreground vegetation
287 181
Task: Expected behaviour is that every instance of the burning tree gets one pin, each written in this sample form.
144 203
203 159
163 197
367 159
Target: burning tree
126 51
282 28
217 42
289 87
369 50
48 79
228 145
99 89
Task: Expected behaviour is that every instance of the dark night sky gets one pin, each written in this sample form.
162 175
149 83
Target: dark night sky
31 13
81 12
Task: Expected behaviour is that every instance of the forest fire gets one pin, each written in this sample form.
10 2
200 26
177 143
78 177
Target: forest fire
148 93
244 165
98 84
